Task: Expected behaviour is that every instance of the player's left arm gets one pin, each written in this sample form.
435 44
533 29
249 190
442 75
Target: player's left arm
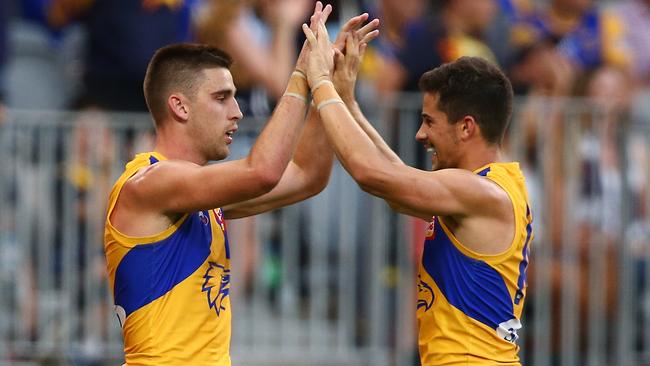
408 190
447 192
412 191
306 175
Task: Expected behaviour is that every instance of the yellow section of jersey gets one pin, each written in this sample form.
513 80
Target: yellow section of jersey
172 289
469 305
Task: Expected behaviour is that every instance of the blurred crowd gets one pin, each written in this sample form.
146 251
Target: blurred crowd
93 53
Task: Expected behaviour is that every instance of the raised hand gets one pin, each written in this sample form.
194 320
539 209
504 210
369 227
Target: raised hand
320 13
346 66
321 54
367 33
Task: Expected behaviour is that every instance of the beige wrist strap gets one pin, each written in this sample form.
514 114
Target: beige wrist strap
297 86
327 102
324 91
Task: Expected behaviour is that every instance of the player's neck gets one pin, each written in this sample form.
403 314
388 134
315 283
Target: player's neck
478 157
177 148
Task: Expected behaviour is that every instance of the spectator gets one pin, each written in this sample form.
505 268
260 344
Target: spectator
122 37
584 34
511 24
397 16
455 30
635 15
260 35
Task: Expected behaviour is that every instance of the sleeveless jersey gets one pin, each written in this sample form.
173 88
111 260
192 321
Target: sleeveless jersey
171 290
469 305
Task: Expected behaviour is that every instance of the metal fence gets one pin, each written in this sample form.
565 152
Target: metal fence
331 281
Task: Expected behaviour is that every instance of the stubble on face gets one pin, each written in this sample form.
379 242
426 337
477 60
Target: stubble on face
441 139
212 104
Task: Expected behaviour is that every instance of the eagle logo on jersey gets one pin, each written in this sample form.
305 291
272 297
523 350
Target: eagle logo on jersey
425 295
217 286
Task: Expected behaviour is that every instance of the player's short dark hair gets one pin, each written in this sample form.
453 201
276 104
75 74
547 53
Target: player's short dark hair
475 87
178 68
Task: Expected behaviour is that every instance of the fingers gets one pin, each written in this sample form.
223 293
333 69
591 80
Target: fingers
354 22
318 7
368 28
323 35
351 45
339 59
320 13
326 13
362 50
370 36
311 38
351 25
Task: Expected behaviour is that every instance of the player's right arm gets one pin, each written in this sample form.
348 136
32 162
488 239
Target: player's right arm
447 192
175 186
345 77
170 187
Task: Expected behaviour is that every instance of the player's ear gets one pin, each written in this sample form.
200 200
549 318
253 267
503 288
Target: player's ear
178 107
467 127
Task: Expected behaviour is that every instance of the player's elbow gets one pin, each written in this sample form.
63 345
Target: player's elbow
267 179
395 207
369 178
318 180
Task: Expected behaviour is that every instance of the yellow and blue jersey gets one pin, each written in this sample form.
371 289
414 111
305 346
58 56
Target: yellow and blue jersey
469 305
171 290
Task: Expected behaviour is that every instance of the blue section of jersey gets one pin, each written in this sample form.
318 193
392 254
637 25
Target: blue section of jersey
468 284
225 239
149 271
221 221
521 281
484 172
152 159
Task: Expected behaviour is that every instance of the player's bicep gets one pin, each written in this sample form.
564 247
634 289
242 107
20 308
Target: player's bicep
180 187
440 193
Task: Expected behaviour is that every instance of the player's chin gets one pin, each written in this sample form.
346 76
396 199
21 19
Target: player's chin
221 154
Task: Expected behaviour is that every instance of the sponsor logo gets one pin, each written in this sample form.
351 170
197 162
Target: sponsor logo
204 218
121 315
508 330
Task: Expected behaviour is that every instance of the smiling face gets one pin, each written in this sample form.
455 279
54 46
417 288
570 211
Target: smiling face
214 114
438 136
